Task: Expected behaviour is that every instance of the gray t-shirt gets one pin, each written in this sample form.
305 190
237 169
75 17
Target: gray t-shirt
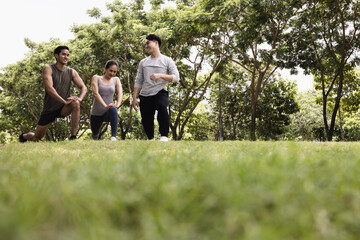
61 83
107 93
148 66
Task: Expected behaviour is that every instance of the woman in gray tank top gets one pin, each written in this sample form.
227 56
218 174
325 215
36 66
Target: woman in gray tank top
103 108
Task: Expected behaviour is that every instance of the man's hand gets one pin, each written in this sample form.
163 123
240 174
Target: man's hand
71 99
155 76
74 98
135 104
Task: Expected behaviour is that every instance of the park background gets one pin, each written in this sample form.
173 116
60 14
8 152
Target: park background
236 83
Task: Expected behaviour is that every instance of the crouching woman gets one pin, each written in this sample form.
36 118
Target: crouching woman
104 109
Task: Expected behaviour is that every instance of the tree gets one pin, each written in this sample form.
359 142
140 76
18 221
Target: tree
202 124
235 101
276 104
251 34
350 105
307 124
327 47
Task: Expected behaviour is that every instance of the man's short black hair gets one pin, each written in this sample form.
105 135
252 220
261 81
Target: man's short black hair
153 37
59 49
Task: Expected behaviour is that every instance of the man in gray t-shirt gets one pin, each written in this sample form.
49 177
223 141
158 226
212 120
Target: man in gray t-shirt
153 75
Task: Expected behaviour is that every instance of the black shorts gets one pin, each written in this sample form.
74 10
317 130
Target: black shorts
49 117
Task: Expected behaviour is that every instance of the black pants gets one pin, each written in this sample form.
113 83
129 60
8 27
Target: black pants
148 105
111 115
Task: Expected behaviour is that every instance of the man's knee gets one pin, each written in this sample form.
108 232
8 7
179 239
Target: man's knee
162 104
162 109
75 105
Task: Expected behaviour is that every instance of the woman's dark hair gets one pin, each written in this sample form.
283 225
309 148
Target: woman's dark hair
110 63
153 37
59 49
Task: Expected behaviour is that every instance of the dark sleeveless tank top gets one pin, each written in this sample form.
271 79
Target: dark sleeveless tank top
61 83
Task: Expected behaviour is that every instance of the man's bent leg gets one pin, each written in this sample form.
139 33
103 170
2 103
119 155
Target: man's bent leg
40 132
74 109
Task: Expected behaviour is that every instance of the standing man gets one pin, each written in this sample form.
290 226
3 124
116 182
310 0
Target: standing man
58 103
153 75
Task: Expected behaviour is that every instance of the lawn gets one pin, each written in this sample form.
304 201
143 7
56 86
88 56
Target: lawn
179 190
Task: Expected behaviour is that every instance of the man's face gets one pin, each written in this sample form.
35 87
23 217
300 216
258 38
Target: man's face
151 45
63 56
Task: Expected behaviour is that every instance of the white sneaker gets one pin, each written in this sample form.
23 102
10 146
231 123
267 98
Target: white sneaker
164 139
113 138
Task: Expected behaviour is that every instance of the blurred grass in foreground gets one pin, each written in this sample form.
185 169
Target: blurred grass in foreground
179 190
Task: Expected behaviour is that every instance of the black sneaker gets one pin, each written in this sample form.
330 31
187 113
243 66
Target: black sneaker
21 138
72 137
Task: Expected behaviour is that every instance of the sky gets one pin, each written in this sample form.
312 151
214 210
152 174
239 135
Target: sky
41 20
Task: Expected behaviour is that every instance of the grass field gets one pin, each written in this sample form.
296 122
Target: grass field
179 190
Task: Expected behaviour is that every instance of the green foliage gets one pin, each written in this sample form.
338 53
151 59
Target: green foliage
307 124
201 124
352 126
235 100
275 105
350 101
251 34
179 190
327 44
2 138
95 12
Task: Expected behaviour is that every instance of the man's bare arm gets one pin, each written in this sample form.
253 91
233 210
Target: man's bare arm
80 84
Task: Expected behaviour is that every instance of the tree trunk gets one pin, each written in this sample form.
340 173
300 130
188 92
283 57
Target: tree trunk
221 138
253 121
337 104
255 92
253 110
325 119
342 135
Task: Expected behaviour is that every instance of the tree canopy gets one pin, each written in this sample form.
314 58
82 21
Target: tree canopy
238 45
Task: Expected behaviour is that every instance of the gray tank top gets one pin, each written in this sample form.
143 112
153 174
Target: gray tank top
61 83
107 93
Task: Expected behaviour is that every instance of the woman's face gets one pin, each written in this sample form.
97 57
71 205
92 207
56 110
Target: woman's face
111 71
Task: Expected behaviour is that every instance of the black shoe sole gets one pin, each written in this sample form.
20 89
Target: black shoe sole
21 138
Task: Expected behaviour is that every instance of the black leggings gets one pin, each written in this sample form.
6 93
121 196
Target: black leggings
111 115
148 105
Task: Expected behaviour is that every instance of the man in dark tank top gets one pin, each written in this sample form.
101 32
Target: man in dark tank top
58 103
